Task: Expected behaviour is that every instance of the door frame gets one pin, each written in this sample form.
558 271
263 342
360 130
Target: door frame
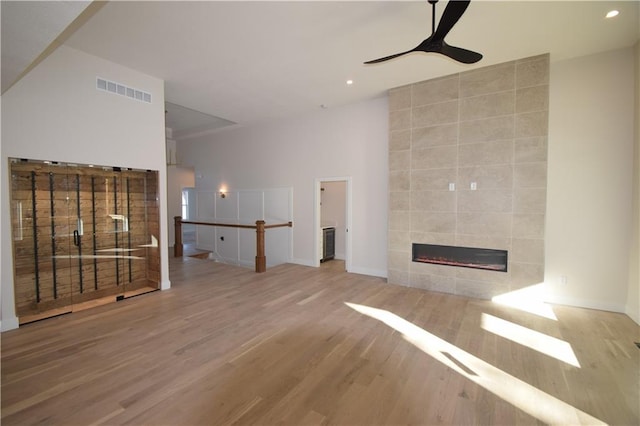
317 239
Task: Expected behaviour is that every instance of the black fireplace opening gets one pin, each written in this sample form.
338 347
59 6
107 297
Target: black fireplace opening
466 257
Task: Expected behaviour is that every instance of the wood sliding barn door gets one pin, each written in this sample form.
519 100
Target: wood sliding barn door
81 236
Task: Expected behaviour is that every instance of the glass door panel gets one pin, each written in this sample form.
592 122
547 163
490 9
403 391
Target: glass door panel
87 284
61 234
140 242
107 225
152 228
39 214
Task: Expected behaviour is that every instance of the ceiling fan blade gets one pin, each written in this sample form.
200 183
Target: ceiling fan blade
452 13
436 44
386 58
459 54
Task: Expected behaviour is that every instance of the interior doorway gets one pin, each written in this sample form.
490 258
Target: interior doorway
333 210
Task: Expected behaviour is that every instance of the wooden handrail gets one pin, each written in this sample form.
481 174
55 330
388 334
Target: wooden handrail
260 226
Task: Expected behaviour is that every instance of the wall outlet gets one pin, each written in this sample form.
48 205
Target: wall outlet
474 186
563 280
452 186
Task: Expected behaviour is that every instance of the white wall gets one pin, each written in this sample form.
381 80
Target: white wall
589 193
56 113
633 291
346 141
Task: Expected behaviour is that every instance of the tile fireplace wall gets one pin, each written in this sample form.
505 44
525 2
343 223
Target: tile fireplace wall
487 126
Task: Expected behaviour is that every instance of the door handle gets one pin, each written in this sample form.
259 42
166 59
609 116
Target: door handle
76 238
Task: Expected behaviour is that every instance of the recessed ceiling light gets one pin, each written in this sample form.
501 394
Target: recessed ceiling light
349 82
612 13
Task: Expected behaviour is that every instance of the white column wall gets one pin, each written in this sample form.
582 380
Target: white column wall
589 190
633 291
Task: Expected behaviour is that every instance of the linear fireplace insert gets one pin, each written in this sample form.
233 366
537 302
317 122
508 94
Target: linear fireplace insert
466 257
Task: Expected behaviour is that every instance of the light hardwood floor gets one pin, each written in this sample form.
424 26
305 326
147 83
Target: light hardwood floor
228 346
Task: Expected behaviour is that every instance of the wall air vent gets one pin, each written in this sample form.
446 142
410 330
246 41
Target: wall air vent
122 90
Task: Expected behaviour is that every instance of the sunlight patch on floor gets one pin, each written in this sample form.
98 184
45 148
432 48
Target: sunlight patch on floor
528 299
540 342
527 398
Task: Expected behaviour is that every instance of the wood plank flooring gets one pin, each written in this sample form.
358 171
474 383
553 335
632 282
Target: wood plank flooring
228 346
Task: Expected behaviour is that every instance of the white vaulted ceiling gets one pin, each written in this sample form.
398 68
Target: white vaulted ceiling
254 61
28 28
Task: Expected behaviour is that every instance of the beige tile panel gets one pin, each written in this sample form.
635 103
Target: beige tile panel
530 200
525 275
437 283
496 78
528 225
399 160
432 179
400 98
480 289
492 224
530 175
488 129
399 221
486 153
433 201
534 98
419 281
489 105
399 260
399 140
431 115
532 71
527 250
399 180
432 238
439 157
486 177
489 200
435 91
530 149
532 124
400 120
426 137
433 222
397 277
399 240
400 200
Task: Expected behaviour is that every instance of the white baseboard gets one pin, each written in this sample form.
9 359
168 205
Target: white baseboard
368 271
584 303
354 269
634 315
7 324
303 262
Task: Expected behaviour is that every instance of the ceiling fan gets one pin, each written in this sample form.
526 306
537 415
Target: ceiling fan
435 43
